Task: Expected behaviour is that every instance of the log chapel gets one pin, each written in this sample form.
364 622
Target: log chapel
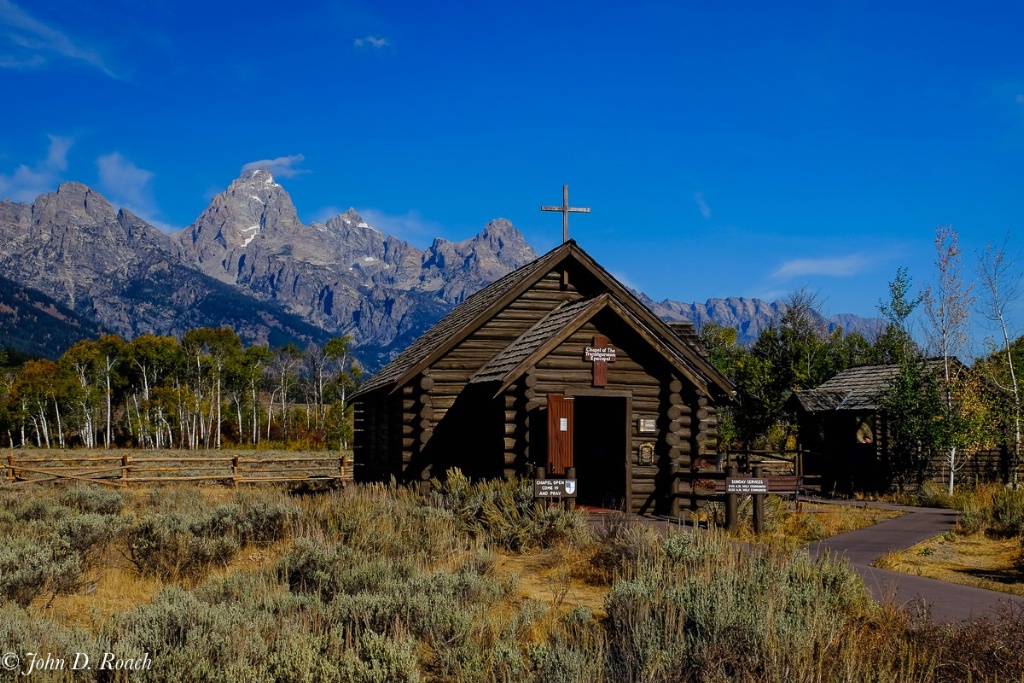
556 365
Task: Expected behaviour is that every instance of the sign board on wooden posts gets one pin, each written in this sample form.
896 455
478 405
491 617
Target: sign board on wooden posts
554 488
746 485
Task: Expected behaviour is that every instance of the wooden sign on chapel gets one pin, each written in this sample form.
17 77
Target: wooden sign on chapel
600 354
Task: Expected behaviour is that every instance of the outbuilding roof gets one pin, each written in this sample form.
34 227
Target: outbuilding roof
858 388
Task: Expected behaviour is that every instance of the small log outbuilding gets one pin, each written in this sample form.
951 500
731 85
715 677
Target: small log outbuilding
557 365
843 433
841 429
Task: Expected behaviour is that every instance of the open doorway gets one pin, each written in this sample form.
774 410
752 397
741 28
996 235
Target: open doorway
600 452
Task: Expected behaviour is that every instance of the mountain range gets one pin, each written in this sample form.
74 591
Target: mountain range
73 265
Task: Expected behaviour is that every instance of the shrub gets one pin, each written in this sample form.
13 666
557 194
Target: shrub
260 522
505 513
186 538
995 510
176 547
620 542
708 611
809 528
211 642
1008 512
94 499
39 510
30 567
978 650
381 659
21 631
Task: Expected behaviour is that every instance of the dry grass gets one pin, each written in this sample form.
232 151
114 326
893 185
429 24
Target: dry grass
115 585
976 560
790 525
552 578
567 578
839 519
109 591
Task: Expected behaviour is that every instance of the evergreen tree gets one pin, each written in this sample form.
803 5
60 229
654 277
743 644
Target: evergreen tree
912 403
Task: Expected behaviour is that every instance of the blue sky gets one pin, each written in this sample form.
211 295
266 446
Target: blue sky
725 148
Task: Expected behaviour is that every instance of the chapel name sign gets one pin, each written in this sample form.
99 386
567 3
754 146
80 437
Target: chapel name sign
600 355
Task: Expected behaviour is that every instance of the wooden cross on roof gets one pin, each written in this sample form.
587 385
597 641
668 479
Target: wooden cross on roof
566 210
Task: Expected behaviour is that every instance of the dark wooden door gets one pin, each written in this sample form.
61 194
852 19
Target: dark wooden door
600 451
560 434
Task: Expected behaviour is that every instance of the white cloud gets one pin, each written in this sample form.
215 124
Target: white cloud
26 183
128 186
31 44
57 156
835 267
281 167
410 226
375 42
705 210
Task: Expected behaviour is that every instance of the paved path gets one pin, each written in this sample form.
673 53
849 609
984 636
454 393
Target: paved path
945 601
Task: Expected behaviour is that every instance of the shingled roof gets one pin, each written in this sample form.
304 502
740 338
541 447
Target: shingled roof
538 336
853 389
480 307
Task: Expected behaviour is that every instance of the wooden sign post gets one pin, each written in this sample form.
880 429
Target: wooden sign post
758 470
756 486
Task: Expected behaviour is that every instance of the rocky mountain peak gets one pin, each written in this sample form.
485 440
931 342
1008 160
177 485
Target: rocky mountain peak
508 245
253 208
76 199
348 220
260 176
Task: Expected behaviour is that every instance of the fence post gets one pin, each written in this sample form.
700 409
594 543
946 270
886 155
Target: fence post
234 471
125 460
10 467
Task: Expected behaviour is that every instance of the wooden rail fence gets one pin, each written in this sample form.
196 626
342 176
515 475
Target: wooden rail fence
122 470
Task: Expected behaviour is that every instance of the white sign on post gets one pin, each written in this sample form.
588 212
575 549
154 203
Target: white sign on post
563 424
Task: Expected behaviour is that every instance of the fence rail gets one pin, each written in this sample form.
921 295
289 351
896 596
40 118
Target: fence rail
126 469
